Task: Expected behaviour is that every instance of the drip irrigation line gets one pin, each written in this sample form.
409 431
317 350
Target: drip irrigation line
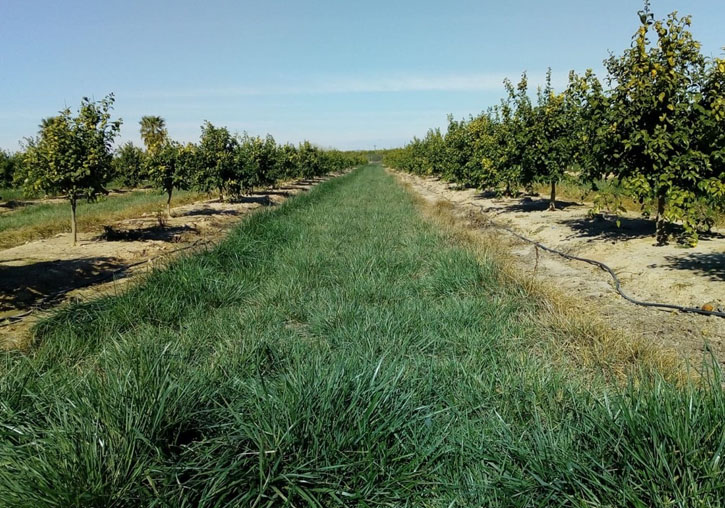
7 321
617 283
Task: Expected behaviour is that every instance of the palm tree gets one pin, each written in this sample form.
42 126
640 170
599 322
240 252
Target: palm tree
153 132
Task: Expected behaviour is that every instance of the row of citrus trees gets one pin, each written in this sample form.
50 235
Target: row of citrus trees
657 131
73 156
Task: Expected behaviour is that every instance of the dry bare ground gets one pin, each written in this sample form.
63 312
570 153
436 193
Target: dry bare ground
42 274
670 274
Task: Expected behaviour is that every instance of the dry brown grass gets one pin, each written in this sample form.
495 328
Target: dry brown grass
573 335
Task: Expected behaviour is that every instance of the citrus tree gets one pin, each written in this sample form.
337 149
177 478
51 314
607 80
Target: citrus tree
265 154
128 165
287 163
515 136
552 137
9 165
711 140
168 167
656 111
216 164
71 155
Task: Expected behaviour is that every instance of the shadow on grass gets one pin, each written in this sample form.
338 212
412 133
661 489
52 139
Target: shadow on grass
45 283
711 265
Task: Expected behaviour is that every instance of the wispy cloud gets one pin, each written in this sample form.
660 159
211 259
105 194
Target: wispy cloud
482 82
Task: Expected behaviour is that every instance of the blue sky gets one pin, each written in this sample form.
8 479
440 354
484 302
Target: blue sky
339 73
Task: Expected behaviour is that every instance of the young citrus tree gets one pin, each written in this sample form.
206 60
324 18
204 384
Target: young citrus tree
72 154
265 154
711 140
128 165
308 158
552 143
655 114
168 166
9 164
514 151
287 163
217 167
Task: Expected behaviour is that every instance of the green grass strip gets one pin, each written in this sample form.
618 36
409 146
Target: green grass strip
337 350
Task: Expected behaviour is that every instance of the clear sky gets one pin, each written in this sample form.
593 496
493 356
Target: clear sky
348 74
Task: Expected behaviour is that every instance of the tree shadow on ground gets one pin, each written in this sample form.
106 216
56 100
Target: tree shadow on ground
46 282
487 194
206 211
711 265
528 204
606 228
260 200
163 234
274 192
14 204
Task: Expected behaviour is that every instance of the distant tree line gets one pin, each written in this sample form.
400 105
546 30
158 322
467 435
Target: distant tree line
73 156
657 130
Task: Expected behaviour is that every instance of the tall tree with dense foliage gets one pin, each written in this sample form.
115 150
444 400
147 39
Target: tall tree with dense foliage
72 154
656 106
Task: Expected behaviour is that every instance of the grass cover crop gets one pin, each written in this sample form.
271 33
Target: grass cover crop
337 350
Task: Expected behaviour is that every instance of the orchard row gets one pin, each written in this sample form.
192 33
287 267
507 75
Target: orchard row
72 156
657 131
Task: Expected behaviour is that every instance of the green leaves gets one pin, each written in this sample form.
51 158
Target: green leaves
72 155
659 91
153 132
659 131
129 165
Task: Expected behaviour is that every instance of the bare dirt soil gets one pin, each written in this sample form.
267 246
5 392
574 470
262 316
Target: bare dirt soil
671 274
42 274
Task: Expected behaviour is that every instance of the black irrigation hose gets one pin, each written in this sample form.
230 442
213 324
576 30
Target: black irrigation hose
7 321
617 284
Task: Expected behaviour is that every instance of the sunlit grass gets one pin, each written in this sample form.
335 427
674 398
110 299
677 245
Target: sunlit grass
338 350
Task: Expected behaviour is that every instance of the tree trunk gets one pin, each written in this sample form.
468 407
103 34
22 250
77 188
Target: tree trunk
661 225
552 198
168 202
221 194
73 227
